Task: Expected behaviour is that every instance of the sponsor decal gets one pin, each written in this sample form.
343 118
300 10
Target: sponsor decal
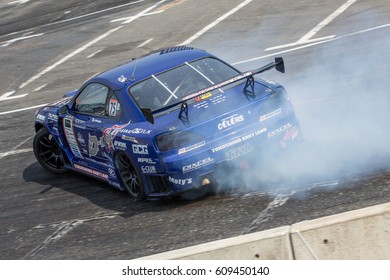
279 130
289 135
182 182
136 131
203 96
79 123
226 145
239 151
198 164
52 117
110 133
190 148
239 140
270 115
146 160
218 99
94 143
40 118
70 137
91 171
203 104
230 121
148 169
81 140
140 149
129 138
120 145
55 130
111 172
96 120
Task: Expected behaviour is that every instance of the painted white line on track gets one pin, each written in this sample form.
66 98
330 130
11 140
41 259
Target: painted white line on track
214 23
91 43
307 37
69 56
327 20
313 44
61 229
9 42
144 12
39 88
145 43
22 109
15 152
144 15
18 2
93 54
14 149
300 43
79 17
7 96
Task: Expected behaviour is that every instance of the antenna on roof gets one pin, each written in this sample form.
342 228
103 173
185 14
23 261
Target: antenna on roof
135 67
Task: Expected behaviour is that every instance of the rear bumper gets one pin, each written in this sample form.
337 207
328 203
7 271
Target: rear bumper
198 168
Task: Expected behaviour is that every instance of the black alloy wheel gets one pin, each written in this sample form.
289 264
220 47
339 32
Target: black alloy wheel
47 152
130 177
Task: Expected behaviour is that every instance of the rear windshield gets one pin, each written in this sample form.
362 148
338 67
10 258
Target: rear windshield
171 86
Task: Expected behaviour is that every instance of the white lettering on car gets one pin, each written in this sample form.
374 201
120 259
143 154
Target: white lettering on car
182 182
197 164
230 121
140 149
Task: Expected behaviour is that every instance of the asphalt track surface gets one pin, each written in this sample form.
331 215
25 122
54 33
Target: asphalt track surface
337 75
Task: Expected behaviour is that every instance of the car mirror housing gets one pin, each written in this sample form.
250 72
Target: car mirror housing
148 115
63 110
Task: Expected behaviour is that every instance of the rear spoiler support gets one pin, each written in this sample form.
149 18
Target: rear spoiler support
249 88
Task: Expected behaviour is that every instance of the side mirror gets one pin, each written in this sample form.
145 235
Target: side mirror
63 110
148 114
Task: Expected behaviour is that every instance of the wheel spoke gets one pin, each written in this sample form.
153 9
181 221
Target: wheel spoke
129 175
44 153
46 143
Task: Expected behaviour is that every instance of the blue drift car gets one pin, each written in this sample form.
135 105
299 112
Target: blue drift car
161 125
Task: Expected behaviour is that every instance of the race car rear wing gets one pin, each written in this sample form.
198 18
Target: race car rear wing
278 65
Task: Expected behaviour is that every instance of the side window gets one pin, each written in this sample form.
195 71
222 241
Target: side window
113 107
92 100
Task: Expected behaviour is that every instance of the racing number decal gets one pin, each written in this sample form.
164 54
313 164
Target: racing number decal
114 108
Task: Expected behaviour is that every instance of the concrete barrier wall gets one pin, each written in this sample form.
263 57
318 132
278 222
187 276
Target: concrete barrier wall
359 234
273 244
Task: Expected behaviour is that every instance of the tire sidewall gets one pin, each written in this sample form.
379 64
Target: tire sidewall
36 148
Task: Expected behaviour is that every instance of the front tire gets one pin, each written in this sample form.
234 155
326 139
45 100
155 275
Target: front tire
47 152
131 178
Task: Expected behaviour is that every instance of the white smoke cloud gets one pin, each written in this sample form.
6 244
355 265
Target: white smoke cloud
341 93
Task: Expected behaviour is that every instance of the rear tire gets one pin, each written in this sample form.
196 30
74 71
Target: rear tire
129 175
47 152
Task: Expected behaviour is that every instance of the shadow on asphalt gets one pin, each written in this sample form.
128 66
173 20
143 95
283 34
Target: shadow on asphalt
97 192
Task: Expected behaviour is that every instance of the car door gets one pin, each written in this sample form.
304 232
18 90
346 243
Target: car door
96 109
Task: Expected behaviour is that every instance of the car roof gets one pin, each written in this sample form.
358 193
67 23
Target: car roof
147 65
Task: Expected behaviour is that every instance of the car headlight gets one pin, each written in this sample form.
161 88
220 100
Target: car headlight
171 141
